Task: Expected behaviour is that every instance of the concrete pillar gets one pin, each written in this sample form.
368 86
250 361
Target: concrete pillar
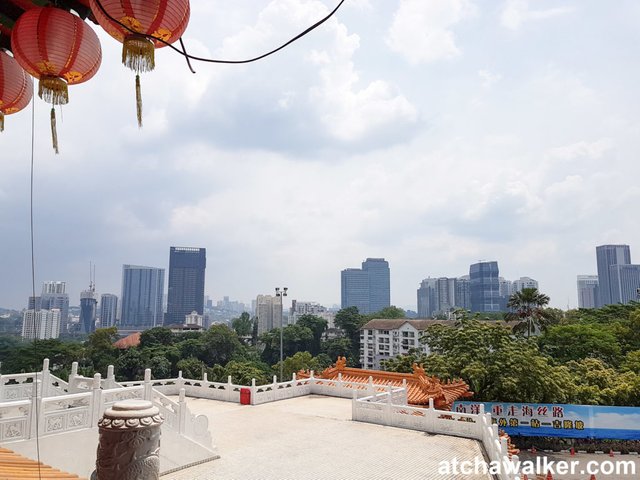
129 442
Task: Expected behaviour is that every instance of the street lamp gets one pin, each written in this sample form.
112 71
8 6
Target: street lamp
281 294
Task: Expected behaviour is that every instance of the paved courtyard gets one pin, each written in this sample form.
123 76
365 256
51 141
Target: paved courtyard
313 438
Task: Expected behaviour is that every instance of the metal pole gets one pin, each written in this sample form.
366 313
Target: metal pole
281 339
281 295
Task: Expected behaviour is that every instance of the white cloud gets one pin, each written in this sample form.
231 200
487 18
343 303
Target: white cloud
422 31
516 12
489 78
591 150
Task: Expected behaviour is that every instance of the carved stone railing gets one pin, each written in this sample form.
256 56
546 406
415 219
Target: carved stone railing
65 413
19 386
380 409
16 420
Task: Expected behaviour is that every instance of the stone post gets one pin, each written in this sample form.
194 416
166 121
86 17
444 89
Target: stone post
111 377
148 388
46 383
96 399
129 443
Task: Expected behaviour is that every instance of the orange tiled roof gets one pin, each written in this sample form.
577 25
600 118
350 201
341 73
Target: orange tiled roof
17 467
420 386
132 340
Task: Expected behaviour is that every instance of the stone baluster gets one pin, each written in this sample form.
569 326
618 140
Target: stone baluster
96 399
111 378
182 412
72 378
229 389
253 391
129 443
46 384
148 388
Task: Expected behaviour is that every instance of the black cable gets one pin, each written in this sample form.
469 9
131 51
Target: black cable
33 281
213 60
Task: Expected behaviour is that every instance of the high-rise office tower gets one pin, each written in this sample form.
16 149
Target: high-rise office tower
41 324
440 296
625 283
141 298
88 310
607 255
186 283
108 310
53 296
485 287
268 312
587 291
367 288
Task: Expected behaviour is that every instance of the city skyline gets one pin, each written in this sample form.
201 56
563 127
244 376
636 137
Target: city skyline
492 138
311 296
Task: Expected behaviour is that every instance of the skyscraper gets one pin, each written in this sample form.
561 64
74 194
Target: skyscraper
141 298
108 310
484 287
268 312
367 288
607 255
587 291
88 310
440 296
186 283
54 295
625 283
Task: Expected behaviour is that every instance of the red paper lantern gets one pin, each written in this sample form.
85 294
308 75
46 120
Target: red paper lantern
59 49
162 19
16 87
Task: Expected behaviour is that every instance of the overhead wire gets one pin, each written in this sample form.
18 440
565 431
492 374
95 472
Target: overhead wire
36 403
189 57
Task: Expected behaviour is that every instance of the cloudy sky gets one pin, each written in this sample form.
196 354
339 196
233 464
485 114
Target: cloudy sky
433 133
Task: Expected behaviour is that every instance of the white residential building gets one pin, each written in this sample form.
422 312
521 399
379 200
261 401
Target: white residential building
41 324
194 318
382 339
268 312
522 283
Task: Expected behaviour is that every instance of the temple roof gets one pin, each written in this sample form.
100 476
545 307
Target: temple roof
132 340
14 467
420 386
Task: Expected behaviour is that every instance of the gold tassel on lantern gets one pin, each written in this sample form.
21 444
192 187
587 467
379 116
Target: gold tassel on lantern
54 133
1 122
138 101
53 90
138 53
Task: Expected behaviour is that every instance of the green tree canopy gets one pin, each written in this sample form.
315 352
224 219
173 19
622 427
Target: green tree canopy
242 325
156 336
220 344
318 326
578 340
528 310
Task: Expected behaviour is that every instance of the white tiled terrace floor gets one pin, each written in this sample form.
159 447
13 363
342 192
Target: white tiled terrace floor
313 438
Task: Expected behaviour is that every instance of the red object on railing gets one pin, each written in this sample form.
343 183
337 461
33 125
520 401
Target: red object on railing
245 396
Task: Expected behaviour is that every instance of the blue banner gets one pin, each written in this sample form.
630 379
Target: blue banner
556 420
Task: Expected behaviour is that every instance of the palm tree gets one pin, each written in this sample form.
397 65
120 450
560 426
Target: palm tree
527 308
